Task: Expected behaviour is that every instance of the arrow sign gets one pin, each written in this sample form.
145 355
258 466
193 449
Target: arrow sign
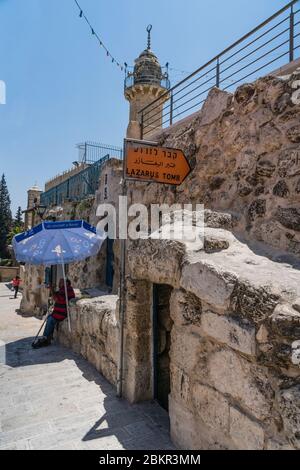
155 164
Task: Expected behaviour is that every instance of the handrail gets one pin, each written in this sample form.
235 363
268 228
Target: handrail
169 96
77 186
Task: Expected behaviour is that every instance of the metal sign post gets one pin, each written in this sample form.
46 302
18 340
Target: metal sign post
122 283
122 291
144 161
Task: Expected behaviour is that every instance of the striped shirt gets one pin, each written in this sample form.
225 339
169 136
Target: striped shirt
60 306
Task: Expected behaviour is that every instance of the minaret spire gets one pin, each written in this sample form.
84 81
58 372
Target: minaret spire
149 28
142 86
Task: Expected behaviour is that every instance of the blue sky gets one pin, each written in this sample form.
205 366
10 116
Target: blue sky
61 87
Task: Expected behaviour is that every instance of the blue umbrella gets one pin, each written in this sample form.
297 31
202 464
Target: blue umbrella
52 243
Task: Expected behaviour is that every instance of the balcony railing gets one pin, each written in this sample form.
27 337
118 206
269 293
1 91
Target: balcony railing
79 186
130 81
269 46
91 152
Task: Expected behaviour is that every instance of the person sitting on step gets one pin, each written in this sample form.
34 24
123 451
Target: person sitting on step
59 313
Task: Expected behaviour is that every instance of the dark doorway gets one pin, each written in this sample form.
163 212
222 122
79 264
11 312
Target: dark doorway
162 325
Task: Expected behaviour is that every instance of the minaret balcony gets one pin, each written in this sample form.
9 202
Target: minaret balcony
131 80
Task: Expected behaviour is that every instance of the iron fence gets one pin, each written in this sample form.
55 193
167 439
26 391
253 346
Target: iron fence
85 182
266 48
76 187
91 152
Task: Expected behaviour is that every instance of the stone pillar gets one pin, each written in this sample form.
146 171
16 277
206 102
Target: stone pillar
33 198
138 342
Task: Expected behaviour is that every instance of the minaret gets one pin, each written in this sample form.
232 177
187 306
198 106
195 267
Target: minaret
144 85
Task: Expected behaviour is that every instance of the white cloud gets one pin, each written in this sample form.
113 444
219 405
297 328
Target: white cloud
2 92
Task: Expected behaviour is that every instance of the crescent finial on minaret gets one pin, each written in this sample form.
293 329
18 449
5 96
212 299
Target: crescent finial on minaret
149 28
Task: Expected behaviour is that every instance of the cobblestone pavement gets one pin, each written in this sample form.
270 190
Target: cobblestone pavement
51 398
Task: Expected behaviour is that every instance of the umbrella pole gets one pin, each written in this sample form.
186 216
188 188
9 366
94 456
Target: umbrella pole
66 294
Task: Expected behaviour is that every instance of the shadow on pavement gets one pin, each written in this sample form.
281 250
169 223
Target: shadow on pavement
140 426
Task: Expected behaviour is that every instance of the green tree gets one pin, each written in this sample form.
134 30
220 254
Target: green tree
14 231
18 221
5 217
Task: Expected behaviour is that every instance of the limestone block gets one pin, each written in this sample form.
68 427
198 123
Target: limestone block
253 302
184 434
296 353
245 382
180 385
185 308
279 354
185 348
216 103
208 283
257 209
189 432
245 433
138 302
109 369
288 167
244 93
285 321
289 217
273 444
112 342
211 407
296 305
228 330
163 259
92 356
215 244
137 381
289 405
281 189
262 335
138 346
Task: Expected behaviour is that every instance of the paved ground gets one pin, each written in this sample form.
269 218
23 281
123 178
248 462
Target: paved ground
52 398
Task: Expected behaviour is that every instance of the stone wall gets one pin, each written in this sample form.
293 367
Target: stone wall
94 333
235 350
7 273
245 153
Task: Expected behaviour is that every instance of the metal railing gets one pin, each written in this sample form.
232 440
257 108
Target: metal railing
131 80
91 152
269 46
76 187
88 153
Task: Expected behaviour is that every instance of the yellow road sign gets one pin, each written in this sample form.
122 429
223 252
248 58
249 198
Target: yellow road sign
158 164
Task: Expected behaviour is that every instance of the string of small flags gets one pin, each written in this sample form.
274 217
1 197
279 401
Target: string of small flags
183 72
94 33
124 66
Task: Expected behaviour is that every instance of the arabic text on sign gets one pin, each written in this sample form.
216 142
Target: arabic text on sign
157 164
